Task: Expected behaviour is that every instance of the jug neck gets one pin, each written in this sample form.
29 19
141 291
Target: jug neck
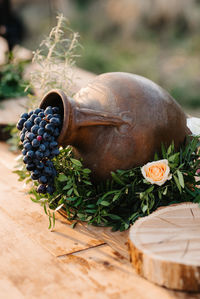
76 117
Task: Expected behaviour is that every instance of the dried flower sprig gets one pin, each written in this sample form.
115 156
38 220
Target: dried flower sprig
55 59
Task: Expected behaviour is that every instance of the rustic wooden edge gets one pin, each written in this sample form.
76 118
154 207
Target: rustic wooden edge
145 264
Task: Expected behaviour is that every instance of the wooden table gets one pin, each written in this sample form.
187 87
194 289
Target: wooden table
84 262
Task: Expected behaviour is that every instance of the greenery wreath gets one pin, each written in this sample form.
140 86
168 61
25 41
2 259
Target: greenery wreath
171 178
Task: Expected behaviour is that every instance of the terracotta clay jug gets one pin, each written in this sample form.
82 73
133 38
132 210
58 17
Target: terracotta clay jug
118 121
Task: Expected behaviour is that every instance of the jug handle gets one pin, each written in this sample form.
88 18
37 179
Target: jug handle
87 117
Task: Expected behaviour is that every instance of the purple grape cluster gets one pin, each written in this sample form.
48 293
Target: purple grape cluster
39 131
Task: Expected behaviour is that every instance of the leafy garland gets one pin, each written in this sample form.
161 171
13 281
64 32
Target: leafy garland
118 202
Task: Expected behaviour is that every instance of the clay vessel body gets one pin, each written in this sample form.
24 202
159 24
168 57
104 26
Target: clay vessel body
118 121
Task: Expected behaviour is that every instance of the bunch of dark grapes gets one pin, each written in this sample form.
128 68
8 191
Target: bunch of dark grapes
39 131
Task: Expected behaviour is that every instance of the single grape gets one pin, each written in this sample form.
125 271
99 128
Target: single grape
38 110
22 137
49 116
30 113
34 129
30 154
24 130
25 141
53 144
57 115
39 155
48 110
55 152
21 123
41 189
42 123
24 115
41 131
50 189
28 124
49 128
56 132
37 120
47 153
27 146
30 166
33 117
30 136
48 170
24 152
40 165
55 110
39 138
43 179
34 176
46 136
41 114
55 121
26 160
35 143
42 147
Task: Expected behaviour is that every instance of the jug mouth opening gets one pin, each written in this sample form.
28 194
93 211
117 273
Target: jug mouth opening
57 98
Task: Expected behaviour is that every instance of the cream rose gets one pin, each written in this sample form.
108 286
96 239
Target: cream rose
157 172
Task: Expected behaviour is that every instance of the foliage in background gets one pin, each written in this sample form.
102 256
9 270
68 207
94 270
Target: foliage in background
12 84
13 138
118 202
161 44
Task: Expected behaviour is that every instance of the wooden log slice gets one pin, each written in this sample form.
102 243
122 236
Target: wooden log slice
165 247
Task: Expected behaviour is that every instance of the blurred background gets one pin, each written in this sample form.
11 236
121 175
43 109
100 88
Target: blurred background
158 39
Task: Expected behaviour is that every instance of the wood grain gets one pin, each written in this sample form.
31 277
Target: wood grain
165 247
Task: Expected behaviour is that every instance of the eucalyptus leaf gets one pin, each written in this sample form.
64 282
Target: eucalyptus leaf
76 162
181 179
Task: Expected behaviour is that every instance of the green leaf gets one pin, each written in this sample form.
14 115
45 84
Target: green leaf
87 182
114 217
67 187
165 191
117 179
149 190
71 198
156 158
86 170
70 191
105 203
90 211
106 195
76 192
144 208
174 158
76 162
164 154
62 178
180 178
177 183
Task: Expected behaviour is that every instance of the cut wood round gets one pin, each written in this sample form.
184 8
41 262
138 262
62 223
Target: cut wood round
165 247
